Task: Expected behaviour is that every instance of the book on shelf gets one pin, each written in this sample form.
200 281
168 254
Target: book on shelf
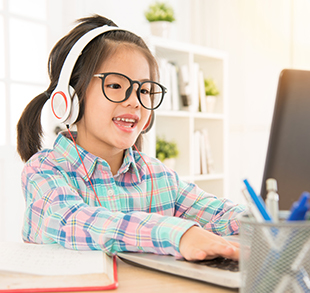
175 94
203 159
50 267
170 79
184 86
165 79
195 89
202 95
197 148
207 151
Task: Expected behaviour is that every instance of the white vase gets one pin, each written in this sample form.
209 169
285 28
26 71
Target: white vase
160 28
170 163
210 104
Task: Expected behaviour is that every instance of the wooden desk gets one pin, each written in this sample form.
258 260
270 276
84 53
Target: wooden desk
142 280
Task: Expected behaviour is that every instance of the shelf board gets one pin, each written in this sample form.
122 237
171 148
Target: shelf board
218 116
205 177
172 113
187 114
168 44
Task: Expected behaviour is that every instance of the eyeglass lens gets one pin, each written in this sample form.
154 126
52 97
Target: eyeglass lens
118 88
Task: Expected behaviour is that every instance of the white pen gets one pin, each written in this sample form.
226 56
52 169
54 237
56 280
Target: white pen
258 217
253 208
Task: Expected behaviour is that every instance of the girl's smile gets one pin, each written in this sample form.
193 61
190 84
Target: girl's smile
126 122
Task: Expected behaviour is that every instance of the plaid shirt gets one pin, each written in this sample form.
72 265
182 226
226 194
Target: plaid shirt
61 206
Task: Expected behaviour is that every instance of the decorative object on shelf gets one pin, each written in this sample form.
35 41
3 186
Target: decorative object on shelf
166 151
211 91
160 15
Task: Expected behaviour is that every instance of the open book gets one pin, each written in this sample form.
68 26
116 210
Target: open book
43 268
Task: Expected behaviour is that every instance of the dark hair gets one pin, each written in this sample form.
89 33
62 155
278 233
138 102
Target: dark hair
29 128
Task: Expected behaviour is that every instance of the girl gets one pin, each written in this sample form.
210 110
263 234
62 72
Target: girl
94 190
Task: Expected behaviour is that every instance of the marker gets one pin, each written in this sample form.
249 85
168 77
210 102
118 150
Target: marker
299 208
259 202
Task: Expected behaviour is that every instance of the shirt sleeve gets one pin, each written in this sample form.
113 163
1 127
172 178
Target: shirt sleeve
218 215
56 213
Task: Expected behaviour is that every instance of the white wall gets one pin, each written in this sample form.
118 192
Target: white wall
261 37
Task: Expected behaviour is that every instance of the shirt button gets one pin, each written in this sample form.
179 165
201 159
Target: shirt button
110 192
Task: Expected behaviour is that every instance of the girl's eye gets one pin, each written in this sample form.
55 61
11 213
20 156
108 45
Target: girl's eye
145 91
114 86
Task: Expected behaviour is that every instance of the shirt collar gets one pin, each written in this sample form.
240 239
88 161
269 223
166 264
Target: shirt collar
65 146
129 163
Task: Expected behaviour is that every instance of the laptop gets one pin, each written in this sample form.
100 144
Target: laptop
219 271
288 154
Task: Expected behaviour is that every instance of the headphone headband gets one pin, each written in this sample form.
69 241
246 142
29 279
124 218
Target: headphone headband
76 51
63 92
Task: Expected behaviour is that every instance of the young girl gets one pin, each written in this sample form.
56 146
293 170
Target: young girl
94 190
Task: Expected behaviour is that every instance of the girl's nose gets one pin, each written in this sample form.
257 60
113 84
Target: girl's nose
133 97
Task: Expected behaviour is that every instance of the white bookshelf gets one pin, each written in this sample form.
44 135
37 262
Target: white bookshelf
180 125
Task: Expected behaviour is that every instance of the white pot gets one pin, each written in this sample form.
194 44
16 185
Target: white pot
210 104
170 163
160 28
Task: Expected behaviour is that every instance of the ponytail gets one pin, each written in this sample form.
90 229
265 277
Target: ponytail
29 128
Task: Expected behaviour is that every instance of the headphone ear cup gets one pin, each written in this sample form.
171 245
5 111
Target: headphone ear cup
65 108
149 124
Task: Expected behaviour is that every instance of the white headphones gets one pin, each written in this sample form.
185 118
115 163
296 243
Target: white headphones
64 100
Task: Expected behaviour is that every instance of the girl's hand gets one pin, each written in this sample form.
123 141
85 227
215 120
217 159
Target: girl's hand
199 244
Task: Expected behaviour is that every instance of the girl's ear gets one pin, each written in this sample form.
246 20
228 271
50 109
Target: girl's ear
149 123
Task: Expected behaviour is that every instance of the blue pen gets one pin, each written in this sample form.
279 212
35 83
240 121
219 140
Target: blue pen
258 202
299 209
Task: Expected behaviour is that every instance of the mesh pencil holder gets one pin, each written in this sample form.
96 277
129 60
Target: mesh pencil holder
275 257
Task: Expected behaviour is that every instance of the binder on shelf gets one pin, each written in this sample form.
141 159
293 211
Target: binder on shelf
50 268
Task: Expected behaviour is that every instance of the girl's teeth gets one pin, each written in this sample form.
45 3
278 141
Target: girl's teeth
125 120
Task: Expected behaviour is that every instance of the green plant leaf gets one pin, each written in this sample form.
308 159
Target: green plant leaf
210 87
160 11
165 149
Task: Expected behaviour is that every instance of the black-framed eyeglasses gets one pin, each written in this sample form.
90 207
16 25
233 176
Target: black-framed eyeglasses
118 87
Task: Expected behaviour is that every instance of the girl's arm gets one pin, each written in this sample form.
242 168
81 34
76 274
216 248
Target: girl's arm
218 215
55 212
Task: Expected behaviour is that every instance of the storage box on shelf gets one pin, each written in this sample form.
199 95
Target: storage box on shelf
187 125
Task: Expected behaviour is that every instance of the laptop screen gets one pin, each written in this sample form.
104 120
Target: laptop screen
288 154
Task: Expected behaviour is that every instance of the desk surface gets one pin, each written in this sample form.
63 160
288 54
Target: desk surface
140 280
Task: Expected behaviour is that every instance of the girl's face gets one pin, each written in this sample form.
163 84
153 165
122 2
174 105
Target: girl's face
107 128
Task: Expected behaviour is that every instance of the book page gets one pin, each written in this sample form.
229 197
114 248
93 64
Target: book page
49 259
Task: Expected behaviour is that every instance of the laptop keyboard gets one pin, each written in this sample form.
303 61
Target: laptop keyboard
219 263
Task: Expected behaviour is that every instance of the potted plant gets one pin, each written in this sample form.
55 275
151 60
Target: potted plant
166 151
160 15
211 91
